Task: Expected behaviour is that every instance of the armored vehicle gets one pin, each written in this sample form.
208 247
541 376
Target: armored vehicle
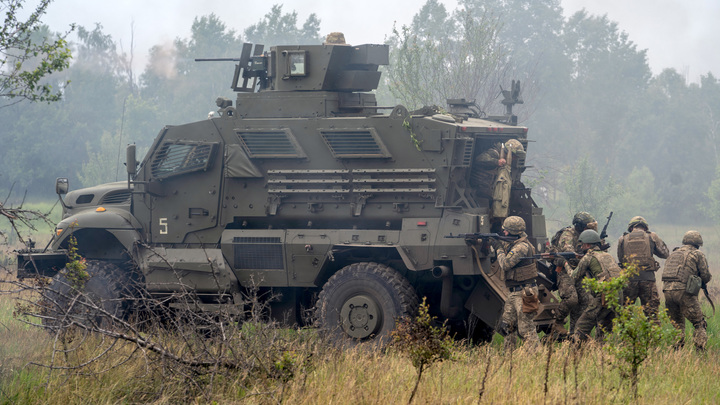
307 189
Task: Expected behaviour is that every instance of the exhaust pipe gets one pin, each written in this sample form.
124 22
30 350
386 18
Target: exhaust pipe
447 308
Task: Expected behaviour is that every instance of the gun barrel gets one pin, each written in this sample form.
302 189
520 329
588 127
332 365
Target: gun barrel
217 59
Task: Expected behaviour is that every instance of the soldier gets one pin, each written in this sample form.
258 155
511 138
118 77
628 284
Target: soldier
597 263
493 175
566 240
684 263
637 246
522 302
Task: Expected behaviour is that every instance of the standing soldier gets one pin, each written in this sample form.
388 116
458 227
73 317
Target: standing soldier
493 176
681 291
522 302
637 246
566 240
597 263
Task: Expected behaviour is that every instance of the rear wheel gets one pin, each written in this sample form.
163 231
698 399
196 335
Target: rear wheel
91 302
362 301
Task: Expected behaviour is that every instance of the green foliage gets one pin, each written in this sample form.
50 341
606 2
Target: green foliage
712 209
76 266
28 55
277 28
586 189
441 56
413 137
634 335
423 343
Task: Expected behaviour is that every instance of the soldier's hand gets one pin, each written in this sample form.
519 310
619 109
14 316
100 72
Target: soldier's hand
560 262
501 162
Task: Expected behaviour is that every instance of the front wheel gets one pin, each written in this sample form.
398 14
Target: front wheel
362 302
91 302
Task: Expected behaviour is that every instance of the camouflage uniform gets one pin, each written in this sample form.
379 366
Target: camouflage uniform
684 262
493 181
570 303
594 264
520 279
637 246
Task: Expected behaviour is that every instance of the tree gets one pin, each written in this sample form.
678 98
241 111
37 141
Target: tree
441 56
589 190
277 28
28 54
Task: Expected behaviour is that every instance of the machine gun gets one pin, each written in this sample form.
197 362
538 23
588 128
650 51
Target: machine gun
483 236
603 234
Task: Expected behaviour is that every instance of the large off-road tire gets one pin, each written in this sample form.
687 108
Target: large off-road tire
362 301
92 303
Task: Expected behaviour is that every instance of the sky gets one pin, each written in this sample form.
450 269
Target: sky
680 34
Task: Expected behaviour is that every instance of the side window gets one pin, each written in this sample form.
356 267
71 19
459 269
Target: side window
180 157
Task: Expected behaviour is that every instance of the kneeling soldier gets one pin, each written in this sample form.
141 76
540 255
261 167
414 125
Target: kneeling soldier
598 264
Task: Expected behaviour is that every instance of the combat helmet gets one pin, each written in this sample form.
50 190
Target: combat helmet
582 219
589 236
514 225
637 220
692 238
514 146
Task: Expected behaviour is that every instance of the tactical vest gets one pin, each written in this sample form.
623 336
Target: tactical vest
555 244
676 268
525 270
610 269
638 251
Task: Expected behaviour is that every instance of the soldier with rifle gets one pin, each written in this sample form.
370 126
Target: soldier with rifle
637 247
685 273
566 241
522 303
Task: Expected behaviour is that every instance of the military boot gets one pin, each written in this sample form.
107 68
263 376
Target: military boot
558 330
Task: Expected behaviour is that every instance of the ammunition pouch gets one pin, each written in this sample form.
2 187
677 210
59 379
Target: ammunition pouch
522 273
693 286
530 301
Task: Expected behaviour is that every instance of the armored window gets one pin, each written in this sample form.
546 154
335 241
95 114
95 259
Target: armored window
295 63
273 143
355 143
174 158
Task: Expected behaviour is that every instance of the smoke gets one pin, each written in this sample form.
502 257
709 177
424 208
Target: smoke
163 61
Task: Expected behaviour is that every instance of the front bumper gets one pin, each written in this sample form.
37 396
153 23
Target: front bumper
40 264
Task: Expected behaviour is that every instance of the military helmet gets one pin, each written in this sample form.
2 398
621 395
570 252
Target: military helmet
692 238
514 225
589 236
514 146
638 220
582 219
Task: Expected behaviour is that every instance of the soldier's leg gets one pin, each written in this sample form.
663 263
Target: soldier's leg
526 325
509 317
604 325
649 298
692 311
588 319
673 300
584 298
630 292
568 295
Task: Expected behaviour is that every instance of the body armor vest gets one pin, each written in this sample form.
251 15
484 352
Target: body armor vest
676 268
525 270
638 250
610 269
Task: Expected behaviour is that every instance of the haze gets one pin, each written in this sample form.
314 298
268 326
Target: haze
684 35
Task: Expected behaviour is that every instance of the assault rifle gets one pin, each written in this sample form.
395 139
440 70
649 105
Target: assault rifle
552 255
604 234
477 235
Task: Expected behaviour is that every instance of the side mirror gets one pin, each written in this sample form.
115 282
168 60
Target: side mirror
61 185
131 160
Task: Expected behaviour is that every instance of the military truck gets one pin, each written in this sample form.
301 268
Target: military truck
309 189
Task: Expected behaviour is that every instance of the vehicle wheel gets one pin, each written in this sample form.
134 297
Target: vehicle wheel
89 304
362 301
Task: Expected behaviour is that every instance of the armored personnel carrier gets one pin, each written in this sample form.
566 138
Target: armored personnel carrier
308 188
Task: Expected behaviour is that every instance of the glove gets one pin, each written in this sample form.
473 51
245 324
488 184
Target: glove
560 262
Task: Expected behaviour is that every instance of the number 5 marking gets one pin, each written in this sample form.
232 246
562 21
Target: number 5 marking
163 226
